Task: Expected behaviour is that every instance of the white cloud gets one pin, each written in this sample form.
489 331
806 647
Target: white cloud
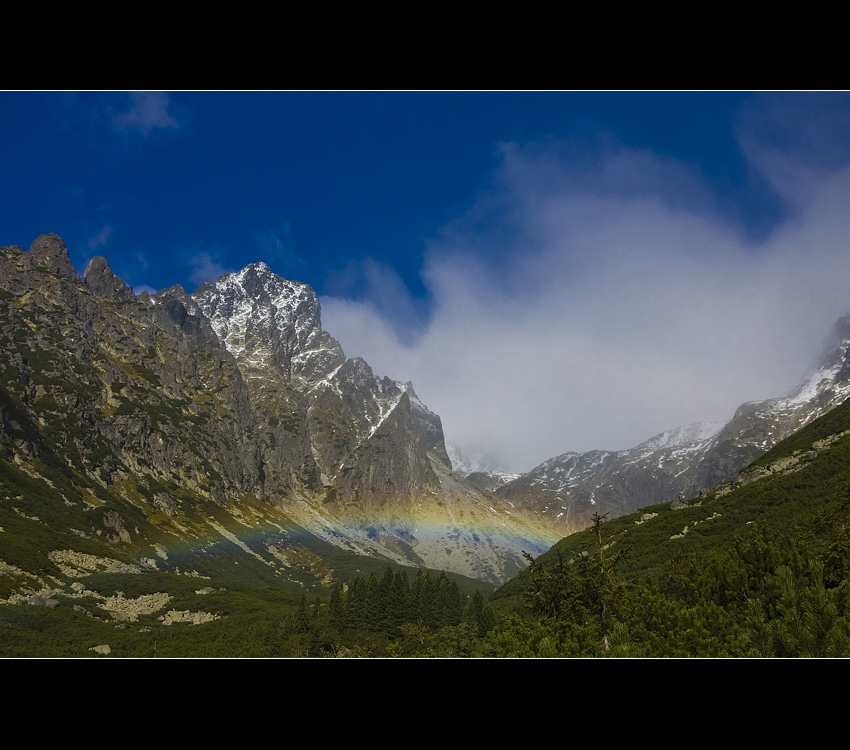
148 110
594 304
100 238
205 267
379 287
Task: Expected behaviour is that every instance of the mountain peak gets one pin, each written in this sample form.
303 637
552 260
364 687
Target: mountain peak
260 267
103 282
48 251
264 319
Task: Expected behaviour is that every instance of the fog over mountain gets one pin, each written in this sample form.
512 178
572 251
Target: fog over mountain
594 297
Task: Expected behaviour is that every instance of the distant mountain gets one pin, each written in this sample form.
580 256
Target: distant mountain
479 473
180 411
570 488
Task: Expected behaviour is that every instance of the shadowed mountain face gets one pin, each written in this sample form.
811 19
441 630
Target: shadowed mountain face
682 462
173 403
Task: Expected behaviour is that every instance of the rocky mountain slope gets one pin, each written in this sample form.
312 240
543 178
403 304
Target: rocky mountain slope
683 462
169 418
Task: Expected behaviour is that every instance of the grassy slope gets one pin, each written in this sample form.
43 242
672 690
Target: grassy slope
258 603
806 506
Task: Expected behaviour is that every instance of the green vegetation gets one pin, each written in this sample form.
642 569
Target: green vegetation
220 600
758 571
406 619
252 621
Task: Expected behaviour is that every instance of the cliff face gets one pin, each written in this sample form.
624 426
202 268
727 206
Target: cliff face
120 384
171 402
341 431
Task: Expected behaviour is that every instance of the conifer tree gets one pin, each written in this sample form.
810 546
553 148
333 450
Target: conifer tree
478 614
583 588
355 603
397 605
337 608
372 603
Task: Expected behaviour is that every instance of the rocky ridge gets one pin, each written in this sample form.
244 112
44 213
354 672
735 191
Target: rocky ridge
679 463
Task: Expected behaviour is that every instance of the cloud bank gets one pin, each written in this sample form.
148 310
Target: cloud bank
205 267
148 111
598 295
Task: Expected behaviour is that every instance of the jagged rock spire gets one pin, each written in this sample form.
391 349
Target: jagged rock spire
48 251
99 278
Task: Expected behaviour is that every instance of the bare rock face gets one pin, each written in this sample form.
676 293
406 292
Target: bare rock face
266 322
391 466
126 385
345 431
49 253
103 283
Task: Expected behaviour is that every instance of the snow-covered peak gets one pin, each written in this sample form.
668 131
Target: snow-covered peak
690 437
828 381
265 320
825 388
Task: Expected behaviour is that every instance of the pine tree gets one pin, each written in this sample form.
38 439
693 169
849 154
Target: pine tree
478 614
582 589
371 613
809 619
337 608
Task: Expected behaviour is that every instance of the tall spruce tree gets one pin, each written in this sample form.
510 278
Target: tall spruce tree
578 591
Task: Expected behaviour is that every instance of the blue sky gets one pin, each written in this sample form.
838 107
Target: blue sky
554 271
